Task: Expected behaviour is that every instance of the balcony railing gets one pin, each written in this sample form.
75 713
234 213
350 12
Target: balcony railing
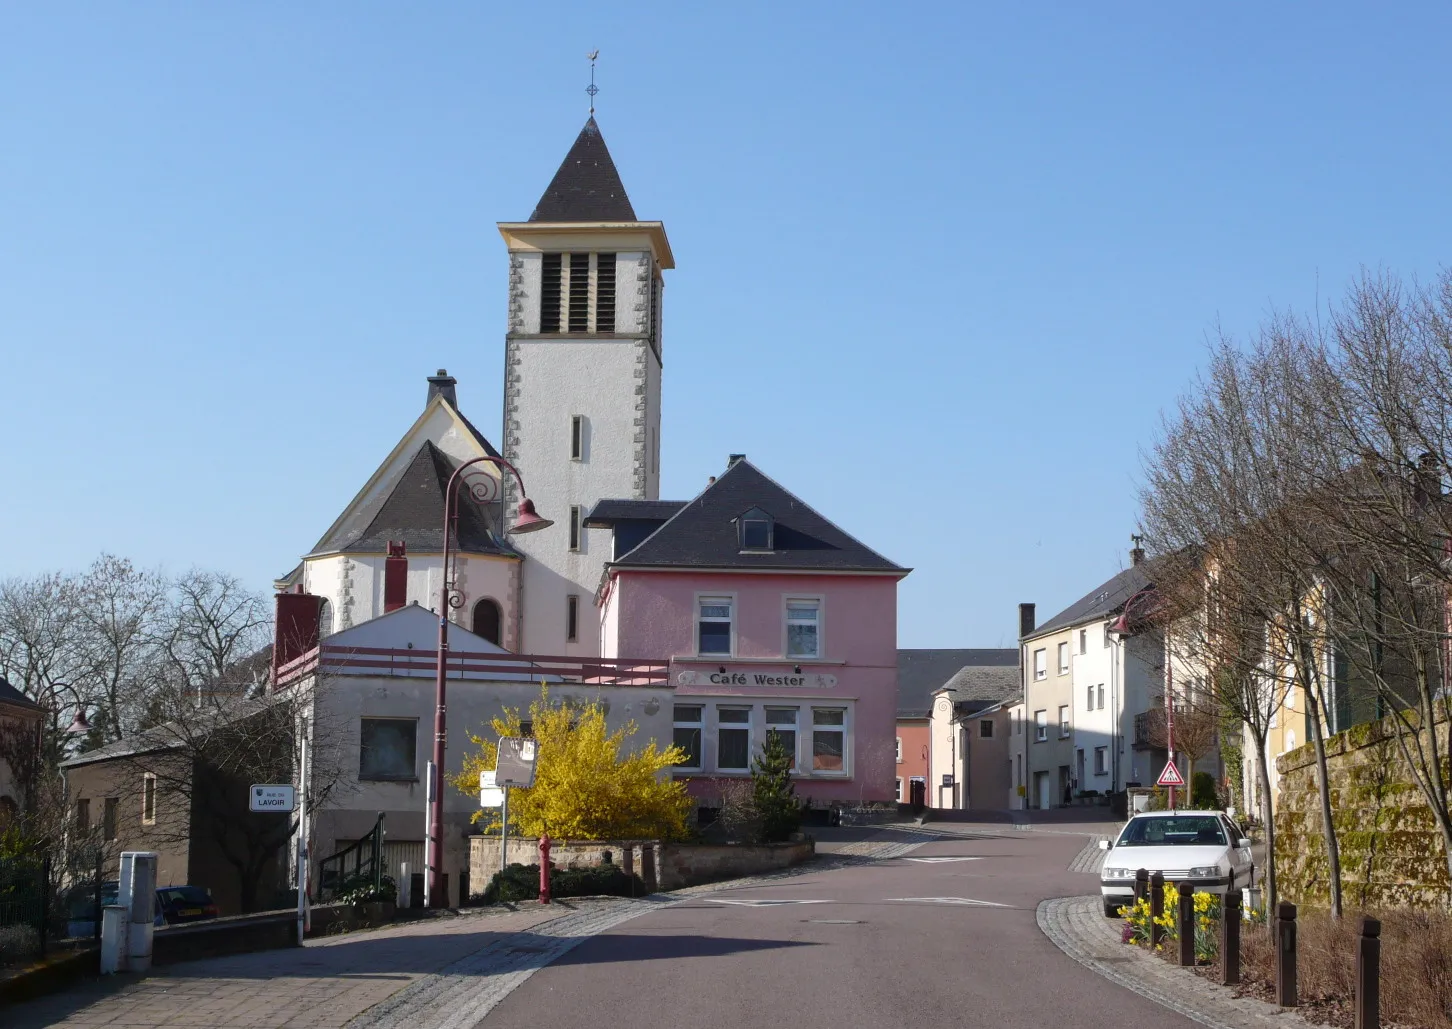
388 661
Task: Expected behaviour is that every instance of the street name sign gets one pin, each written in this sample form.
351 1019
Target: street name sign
515 761
1171 775
489 794
273 798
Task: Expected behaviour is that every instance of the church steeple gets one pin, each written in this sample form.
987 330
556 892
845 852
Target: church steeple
587 188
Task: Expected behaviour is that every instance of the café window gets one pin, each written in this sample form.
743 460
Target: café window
714 625
687 734
829 740
803 628
757 530
389 749
733 739
783 722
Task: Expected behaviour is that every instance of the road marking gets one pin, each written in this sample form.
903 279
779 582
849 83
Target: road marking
967 901
834 921
764 903
940 860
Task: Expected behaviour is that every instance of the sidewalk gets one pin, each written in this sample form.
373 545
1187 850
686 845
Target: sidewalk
324 984
1077 926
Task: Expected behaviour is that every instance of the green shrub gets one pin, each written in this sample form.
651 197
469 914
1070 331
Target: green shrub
1203 794
772 790
358 889
521 882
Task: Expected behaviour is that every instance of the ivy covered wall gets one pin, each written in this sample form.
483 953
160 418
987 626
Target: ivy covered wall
1392 853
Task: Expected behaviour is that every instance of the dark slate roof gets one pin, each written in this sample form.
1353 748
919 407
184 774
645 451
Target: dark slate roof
606 513
14 698
413 511
1102 602
587 188
978 686
921 673
703 533
174 735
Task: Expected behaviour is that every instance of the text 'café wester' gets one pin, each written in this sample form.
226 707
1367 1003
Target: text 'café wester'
774 619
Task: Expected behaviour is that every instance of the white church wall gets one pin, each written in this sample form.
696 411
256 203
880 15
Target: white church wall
353 585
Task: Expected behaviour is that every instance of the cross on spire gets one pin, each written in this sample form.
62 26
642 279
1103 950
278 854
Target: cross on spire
592 89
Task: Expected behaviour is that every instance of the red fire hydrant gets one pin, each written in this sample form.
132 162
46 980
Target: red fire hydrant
544 869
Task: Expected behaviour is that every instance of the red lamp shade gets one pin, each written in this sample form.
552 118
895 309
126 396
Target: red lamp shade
79 723
526 520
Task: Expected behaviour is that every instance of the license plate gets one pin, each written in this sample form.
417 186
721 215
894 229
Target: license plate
190 911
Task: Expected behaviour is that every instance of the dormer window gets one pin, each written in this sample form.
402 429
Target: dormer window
757 530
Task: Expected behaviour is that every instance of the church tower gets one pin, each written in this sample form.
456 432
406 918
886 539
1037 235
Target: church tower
582 377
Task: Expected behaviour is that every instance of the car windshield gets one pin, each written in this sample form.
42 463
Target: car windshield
184 895
1186 830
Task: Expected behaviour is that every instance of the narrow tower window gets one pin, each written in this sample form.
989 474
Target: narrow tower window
572 617
577 437
549 294
604 292
579 293
575 527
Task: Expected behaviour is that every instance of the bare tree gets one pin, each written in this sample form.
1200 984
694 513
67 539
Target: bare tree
213 624
120 612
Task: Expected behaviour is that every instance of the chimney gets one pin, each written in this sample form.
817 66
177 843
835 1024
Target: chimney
1025 620
395 576
295 626
1136 552
732 459
443 385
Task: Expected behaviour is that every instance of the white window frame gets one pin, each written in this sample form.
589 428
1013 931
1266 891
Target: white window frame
1064 657
1041 664
699 725
798 598
149 793
1101 760
795 728
1101 696
1090 699
1041 725
845 728
899 791
1066 724
749 726
696 620
899 751
1083 641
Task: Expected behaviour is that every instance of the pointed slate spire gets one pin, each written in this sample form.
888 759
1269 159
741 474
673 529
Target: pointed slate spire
587 188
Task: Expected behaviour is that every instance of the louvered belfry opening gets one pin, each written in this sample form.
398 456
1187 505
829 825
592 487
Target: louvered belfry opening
604 292
579 293
549 294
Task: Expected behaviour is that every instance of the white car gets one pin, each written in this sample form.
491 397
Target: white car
1203 848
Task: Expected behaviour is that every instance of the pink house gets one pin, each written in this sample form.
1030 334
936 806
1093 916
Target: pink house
772 618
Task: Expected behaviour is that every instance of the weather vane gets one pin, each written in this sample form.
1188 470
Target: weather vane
592 89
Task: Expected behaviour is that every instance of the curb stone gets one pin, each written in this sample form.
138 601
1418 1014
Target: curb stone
1077 926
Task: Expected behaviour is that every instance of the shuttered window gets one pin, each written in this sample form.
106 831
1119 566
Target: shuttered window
549 293
579 293
604 293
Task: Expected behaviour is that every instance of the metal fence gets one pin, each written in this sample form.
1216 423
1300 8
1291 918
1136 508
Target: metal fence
25 909
358 866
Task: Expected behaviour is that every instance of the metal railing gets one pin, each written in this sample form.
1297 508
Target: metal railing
366 858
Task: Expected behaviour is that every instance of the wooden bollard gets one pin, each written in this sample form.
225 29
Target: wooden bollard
1141 885
1186 923
1230 938
1286 955
1368 975
1157 908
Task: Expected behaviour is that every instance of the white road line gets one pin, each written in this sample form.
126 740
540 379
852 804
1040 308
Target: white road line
774 902
965 901
941 860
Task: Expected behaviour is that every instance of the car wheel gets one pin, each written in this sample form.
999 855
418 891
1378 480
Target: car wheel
1111 907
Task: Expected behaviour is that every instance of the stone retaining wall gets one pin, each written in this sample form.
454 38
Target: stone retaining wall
1392 852
672 866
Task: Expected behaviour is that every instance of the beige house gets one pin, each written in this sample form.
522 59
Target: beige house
970 731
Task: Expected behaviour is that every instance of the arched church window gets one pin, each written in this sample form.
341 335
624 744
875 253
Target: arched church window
325 619
487 620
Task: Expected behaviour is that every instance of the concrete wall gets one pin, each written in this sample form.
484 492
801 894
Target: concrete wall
677 865
1392 853
656 617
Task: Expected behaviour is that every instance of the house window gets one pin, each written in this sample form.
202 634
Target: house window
83 815
985 728
1063 659
714 626
325 619
783 722
1083 641
1041 664
802 622
572 617
1063 720
487 620
577 438
899 790
687 734
829 741
1101 696
1089 695
108 819
148 799
899 750
756 530
1101 760
389 749
1041 726
733 738
575 527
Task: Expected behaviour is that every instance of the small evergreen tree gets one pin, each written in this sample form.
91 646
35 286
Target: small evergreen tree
772 791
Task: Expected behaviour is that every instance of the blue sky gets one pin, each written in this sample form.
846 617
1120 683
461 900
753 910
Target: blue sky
939 267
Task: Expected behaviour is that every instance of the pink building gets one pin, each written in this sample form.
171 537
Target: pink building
772 618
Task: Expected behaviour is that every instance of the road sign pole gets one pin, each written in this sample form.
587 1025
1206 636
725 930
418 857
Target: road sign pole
302 839
504 832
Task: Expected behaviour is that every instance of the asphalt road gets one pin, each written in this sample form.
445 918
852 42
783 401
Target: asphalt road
945 936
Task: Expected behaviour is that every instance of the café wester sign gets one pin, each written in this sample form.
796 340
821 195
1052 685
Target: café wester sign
765 680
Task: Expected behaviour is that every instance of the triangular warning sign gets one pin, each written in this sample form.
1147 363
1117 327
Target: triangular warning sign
1171 775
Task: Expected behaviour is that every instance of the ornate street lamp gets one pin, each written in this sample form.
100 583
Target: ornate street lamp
526 519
